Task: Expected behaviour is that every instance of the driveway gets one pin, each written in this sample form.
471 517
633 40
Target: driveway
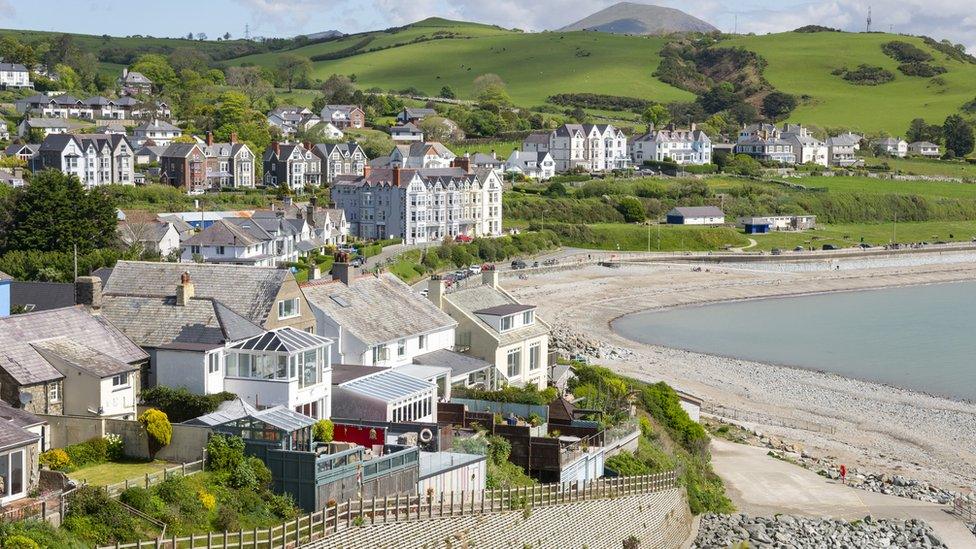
760 485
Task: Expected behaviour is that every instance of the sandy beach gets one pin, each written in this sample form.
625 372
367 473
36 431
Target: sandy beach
875 427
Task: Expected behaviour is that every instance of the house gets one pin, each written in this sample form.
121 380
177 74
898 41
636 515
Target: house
158 131
153 236
23 436
4 131
421 206
291 120
327 225
765 143
924 148
807 148
842 152
229 165
421 155
24 151
852 139
754 225
890 146
696 215
588 147
30 128
536 142
376 320
406 132
95 159
488 161
414 115
68 361
788 222
337 159
680 145
5 283
206 346
13 177
256 240
293 164
134 83
495 327
14 75
382 394
344 116
99 107
53 105
111 128
184 165
531 164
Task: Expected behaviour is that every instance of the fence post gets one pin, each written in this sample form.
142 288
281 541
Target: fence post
255 539
386 509
372 519
147 481
452 503
441 512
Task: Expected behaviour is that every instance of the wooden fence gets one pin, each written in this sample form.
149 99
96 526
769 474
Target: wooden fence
151 479
399 508
964 509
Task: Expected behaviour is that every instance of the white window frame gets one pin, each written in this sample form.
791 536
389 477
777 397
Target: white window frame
120 380
517 365
281 308
54 393
535 356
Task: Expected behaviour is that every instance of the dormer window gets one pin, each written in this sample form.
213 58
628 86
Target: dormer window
507 322
528 317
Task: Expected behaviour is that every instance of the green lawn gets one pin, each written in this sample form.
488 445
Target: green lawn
923 166
502 148
866 185
846 235
801 64
110 473
657 237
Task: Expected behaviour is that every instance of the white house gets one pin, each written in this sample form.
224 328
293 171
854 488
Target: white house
256 240
531 164
590 147
407 132
842 152
421 155
14 75
156 236
46 126
924 148
696 215
891 147
807 148
95 383
680 145
765 142
160 132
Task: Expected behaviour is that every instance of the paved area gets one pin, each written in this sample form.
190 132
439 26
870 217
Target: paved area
760 485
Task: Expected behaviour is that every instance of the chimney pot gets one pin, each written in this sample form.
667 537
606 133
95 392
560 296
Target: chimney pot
276 147
341 270
233 137
210 140
185 290
396 176
88 291
366 170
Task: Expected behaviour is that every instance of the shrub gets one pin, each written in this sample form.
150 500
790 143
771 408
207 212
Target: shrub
208 500
866 75
141 499
20 542
627 465
96 517
632 209
158 429
226 519
924 70
114 447
905 52
600 101
323 430
661 401
56 459
181 405
519 395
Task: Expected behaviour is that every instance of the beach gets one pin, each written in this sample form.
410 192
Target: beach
868 425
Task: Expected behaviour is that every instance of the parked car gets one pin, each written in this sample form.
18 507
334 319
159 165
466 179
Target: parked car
551 261
776 251
423 293
358 262
518 264
474 269
864 245
798 249
829 247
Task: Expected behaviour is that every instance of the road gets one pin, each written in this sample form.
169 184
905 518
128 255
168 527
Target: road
760 485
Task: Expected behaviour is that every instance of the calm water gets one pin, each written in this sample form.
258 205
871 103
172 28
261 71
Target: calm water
918 337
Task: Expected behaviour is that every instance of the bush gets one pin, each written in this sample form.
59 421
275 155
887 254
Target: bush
518 395
208 500
627 465
322 431
40 532
632 209
924 70
20 542
114 447
139 498
96 517
158 429
56 460
600 101
866 75
662 402
905 52
181 405
226 519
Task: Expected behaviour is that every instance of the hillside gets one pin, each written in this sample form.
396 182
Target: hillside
632 18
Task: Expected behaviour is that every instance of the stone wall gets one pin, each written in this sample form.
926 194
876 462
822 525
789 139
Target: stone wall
187 445
659 520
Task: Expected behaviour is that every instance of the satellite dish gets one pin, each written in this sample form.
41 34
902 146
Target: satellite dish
25 398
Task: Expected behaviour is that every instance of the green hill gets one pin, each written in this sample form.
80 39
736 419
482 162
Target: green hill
801 64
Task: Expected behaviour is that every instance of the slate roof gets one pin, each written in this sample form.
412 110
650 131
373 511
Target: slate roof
540 138
412 112
136 231
376 309
18 416
505 310
250 291
159 322
156 124
459 364
698 211
12 67
14 149
13 424
47 123
4 276
22 361
479 298
276 416
83 357
223 233
44 296
179 150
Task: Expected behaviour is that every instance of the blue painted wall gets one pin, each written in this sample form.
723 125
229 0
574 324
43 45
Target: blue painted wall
4 298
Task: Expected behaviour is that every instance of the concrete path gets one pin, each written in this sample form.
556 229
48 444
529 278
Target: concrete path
760 485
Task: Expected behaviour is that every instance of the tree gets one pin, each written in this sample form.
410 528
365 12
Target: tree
156 68
958 135
67 77
778 105
322 430
438 128
719 98
337 88
158 430
292 68
447 92
484 123
55 213
656 116
201 36
250 81
556 189
188 58
491 89
632 209
226 36
919 130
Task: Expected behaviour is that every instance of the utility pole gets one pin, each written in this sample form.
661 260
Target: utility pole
76 261
869 19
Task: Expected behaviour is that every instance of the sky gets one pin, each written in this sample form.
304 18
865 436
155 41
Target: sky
952 19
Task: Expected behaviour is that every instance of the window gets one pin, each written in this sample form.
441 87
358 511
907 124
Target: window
213 363
514 362
379 354
401 347
220 250
535 356
12 472
422 342
54 392
288 308
506 323
310 369
194 249
120 380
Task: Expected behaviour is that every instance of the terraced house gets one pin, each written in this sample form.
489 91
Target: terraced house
184 165
94 108
229 164
340 159
680 145
420 206
293 164
590 147
765 143
257 240
96 159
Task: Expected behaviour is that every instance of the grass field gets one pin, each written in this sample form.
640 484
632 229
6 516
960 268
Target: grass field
845 235
865 185
659 237
109 473
801 64
923 166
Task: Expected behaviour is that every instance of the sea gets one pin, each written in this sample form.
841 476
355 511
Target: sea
921 338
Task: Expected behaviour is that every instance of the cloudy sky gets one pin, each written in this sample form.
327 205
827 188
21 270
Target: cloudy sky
953 19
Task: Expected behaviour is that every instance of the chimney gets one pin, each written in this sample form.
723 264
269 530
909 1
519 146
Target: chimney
493 157
308 145
209 139
694 126
435 291
233 137
286 201
276 147
366 170
185 291
490 277
396 176
310 211
341 269
88 291
315 273
462 162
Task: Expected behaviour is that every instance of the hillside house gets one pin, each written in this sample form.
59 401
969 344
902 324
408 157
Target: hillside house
336 159
589 147
924 148
842 152
414 115
95 159
406 132
14 75
421 155
41 127
890 146
680 145
134 83
765 143
695 215
158 131
229 165
531 164
807 148
152 236
293 164
344 116
184 165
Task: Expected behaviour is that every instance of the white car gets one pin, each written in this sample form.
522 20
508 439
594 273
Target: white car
423 293
474 269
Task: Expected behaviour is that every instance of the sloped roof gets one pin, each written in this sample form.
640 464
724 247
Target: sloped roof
43 296
222 233
387 384
13 424
251 291
22 361
376 309
276 416
83 357
459 364
698 211
479 298
283 340
157 124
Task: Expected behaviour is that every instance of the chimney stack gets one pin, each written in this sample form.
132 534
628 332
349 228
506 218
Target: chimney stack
88 291
396 175
435 290
185 290
310 211
489 277
462 162
366 170
341 270
308 145
209 139
286 201
233 137
276 147
693 126
314 273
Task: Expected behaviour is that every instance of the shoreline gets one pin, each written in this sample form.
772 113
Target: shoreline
872 425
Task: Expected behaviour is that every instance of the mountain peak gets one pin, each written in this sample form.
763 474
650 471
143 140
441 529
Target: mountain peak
634 18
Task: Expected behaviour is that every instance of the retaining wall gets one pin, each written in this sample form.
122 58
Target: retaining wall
187 445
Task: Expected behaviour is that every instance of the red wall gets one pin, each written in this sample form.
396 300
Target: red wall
359 435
